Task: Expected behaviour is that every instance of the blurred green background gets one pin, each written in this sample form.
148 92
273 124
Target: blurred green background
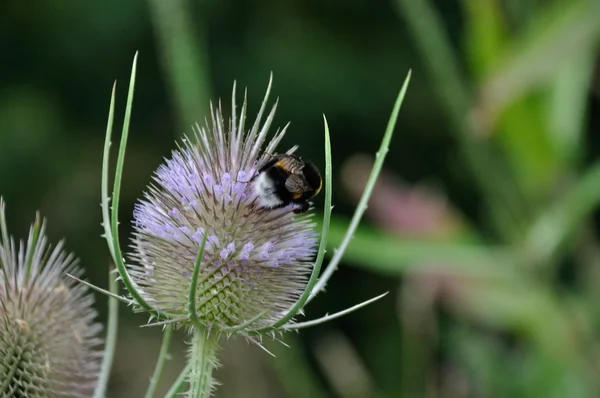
483 226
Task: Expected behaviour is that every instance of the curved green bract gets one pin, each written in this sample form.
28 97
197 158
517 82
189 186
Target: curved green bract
192 314
335 315
111 230
245 324
362 204
323 244
105 159
122 299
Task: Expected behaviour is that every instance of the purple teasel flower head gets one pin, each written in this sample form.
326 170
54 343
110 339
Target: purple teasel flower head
256 261
48 334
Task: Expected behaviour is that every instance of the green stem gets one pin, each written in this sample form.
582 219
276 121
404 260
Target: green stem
176 388
203 358
111 338
160 363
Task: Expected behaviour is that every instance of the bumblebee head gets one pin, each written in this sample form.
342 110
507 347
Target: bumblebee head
312 177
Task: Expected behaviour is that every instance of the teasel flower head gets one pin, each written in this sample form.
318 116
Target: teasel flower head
48 334
207 255
255 262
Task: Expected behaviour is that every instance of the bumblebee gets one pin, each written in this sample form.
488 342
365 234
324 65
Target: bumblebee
285 179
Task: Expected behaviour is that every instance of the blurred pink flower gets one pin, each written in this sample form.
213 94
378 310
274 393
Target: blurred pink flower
413 211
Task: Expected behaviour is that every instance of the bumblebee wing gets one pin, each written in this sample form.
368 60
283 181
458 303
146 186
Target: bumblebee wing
295 184
291 164
292 150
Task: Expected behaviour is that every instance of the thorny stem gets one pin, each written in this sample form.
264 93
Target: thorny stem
203 360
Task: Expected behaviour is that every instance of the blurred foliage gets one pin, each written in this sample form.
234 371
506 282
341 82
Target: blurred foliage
484 226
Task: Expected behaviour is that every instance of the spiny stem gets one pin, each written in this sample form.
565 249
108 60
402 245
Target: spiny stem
203 360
